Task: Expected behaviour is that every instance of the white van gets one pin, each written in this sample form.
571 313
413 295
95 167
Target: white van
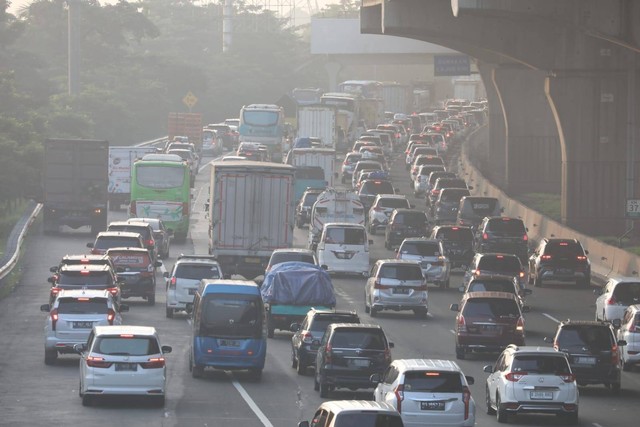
344 248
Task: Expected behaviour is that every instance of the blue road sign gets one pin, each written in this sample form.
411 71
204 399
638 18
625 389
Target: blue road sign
451 65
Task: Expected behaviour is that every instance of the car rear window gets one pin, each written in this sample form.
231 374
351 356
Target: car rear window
309 199
126 345
353 158
345 236
368 419
401 272
453 195
593 337
491 307
431 249
320 323
393 203
116 242
359 338
627 293
312 172
500 263
197 271
506 225
455 234
143 231
492 286
77 278
427 169
415 219
432 382
451 183
132 259
82 306
539 364
428 160
563 249
376 187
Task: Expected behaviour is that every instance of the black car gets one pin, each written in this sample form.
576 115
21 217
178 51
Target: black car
303 209
502 234
370 188
313 327
442 183
593 352
405 223
560 260
161 234
445 208
348 355
473 209
457 242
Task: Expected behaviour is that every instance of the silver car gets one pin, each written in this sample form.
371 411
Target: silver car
429 253
396 285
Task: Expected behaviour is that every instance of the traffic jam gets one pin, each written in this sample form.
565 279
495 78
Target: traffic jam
284 222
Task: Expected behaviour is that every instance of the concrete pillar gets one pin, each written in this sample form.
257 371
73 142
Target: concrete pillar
532 147
492 160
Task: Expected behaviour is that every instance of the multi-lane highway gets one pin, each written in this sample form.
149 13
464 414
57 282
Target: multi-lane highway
32 394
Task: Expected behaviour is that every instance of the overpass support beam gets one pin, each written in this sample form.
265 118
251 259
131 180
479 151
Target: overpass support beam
492 159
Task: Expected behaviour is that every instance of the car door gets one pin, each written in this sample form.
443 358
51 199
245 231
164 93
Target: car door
368 290
387 394
533 259
606 292
383 386
493 381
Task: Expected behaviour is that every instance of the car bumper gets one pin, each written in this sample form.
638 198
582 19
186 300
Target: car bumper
63 346
350 379
539 407
147 384
559 276
593 376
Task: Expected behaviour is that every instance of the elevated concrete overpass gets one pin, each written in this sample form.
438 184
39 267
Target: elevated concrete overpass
562 83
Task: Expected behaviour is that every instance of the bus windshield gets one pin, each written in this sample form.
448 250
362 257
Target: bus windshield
261 118
237 316
161 177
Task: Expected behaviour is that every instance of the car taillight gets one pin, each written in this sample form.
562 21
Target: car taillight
306 336
515 376
150 242
521 275
466 398
378 209
545 257
632 328
153 363
611 300
520 324
399 392
462 324
146 274
172 283
525 238
581 258
113 291
615 356
378 285
414 170
98 362
327 354
110 316
567 378
435 192
477 272
485 236
54 318
55 291
345 163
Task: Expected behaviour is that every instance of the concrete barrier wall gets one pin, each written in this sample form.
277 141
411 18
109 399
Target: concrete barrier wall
606 260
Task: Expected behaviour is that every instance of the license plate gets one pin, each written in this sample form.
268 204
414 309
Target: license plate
564 271
541 395
489 327
192 291
403 291
432 406
229 343
585 360
82 325
252 260
359 363
126 367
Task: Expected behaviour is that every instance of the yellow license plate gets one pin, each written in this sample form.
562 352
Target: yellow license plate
252 260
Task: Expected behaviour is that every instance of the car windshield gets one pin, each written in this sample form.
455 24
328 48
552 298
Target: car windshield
431 249
551 365
345 236
94 278
309 173
592 337
393 203
401 272
106 242
507 226
197 271
362 339
232 315
432 382
160 177
126 345
500 263
320 323
492 286
82 306
260 118
491 307
450 183
456 234
368 419
415 219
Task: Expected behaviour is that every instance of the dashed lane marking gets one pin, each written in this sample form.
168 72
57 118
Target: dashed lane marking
254 407
548 316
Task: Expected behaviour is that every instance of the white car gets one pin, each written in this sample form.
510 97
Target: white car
427 392
71 317
629 331
616 296
531 380
123 360
395 284
184 278
381 210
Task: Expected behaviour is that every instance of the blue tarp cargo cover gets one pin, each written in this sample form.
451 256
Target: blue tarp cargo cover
302 142
298 283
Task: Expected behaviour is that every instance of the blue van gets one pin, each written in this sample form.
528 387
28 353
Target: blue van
229 331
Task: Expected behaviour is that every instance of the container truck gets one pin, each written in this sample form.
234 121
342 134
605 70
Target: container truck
251 213
318 121
120 164
75 184
397 97
322 157
186 124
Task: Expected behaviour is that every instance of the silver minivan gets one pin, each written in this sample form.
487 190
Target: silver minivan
396 285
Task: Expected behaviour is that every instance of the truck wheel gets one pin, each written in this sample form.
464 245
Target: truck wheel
169 313
151 300
270 328
50 357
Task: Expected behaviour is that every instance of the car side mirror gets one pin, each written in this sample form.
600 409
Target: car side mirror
53 269
80 348
166 349
488 369
90 245
454 307
375 378
597 291
158 264
470 379
622 343
121 283
616 323
50 280
166 274
391 345
123 308
303 424
470 187
526 309
461 289
45 307
295 327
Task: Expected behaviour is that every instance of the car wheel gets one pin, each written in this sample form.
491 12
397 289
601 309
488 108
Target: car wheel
501 414
420 313
50 357
324 390
372 230
169 313
256 374
584 283
490 410
442 284
165 255
316 385
294 362
158 401
301 368
537 282
197 371
80 388
616 388
460 354
366 307
373 311
570 418
627 367
87 400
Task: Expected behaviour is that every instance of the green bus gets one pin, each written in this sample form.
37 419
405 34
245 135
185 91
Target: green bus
160 188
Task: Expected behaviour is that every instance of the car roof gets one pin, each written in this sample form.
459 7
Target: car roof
117 234
489 294
430 364
142 251
317 312
293 251
129 223
421 240
124 329
570 322
144 220
337 406
391 196
485 277
496 255
536 350
398 261
86 293
85 267
96 257
408 211
355 325
343 224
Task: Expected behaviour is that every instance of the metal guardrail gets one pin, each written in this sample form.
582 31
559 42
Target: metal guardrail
14 243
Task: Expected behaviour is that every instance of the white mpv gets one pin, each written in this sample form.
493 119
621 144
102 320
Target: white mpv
344 248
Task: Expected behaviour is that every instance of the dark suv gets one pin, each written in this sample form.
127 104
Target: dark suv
457 243
348 355
502 234
144 229
312 328
405 223
488 322
560 260
593 352
303 209
473 209
490 263
137 272
445 208
84 277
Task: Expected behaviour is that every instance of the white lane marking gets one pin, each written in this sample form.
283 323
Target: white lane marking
548 316
597 425
254 407
452 331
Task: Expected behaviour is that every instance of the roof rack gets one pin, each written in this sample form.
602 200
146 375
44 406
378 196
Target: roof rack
183 256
